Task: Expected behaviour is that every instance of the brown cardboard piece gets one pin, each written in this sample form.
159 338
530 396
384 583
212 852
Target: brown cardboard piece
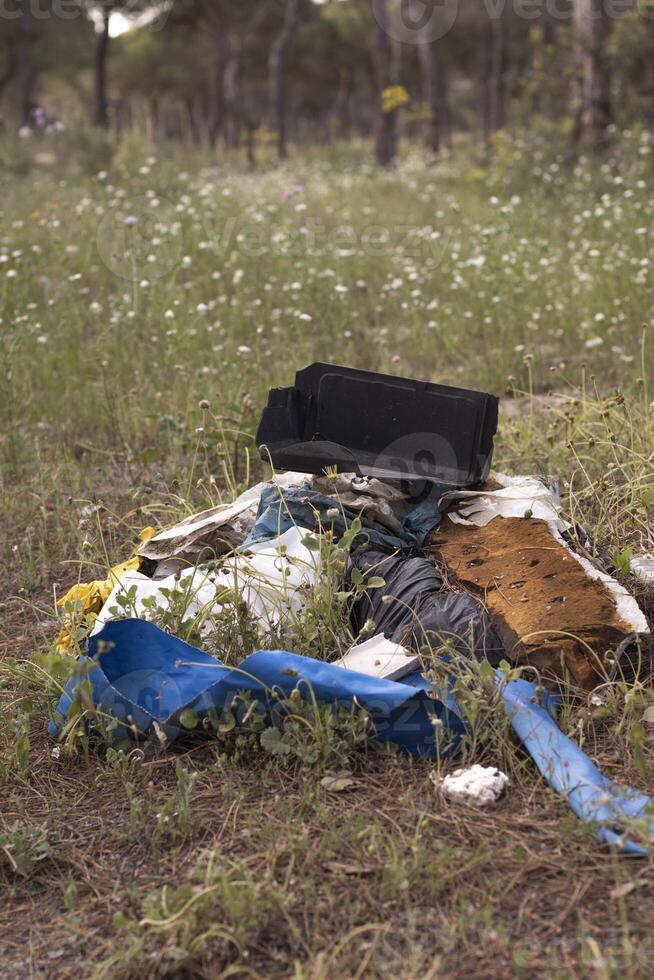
546 609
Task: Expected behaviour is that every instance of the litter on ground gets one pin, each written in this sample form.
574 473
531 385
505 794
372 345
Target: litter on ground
445 564
476 786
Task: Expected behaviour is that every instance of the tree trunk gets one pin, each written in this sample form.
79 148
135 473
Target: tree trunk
217 91
385 130
344 103
497 107
101 114
250 154
26 68
153 118
593 27
433 94
648 90
276 74
10 67
492 67
233 76
193 128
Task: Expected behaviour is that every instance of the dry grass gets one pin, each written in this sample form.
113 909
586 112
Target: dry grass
280 877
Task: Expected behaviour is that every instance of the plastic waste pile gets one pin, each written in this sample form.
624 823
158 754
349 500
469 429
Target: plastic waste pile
437 546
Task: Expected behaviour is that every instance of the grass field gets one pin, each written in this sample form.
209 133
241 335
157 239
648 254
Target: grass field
145 311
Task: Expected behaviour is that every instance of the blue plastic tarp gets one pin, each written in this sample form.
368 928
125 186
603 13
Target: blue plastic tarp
141 680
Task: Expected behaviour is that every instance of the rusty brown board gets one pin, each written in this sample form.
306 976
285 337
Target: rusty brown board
546 609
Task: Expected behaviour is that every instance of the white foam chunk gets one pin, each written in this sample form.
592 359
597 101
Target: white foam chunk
476 786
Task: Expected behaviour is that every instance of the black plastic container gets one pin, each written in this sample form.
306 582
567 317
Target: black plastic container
379 425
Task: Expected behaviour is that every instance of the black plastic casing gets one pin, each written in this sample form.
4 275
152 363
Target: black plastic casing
379 425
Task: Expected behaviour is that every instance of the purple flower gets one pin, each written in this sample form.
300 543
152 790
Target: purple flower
130 220
294 189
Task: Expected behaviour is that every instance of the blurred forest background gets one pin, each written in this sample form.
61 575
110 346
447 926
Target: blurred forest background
259 75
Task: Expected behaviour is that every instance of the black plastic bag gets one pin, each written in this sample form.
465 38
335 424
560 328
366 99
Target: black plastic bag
415 609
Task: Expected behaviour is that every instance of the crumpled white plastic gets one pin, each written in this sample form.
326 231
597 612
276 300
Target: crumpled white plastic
642 566
476 786
233 520
520 496
379 657
273 578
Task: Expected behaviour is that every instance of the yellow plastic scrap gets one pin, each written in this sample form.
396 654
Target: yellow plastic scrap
93 595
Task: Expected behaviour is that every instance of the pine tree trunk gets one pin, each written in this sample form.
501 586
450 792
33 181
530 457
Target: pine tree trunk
344 103
10 67
26 69
216 112
491 59
101 114
233 77
433 94
386 128
497 107
593 27
276 74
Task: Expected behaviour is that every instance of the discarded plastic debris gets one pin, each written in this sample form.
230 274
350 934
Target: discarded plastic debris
273 579
551 607
414 608
93 596
642 566
216 531
280 509
379 425
141 680
507 584
520 496
476 786
380 657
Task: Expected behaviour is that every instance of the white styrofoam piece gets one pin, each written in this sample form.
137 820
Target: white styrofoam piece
475 786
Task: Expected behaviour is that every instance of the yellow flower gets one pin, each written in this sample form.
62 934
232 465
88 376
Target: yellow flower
393 97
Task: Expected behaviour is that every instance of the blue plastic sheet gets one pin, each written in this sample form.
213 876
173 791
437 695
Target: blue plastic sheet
142 679
592 796
145 678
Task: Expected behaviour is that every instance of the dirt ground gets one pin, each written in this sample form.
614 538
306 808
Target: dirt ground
382 879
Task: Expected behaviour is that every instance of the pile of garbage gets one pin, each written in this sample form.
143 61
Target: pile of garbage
443 562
